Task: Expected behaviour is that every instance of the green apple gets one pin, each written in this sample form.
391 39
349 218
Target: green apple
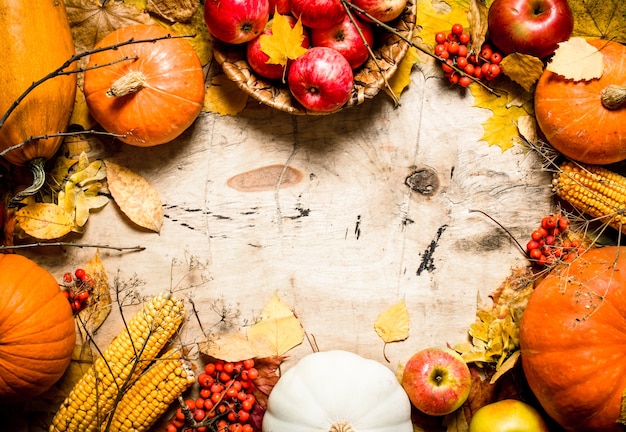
508 415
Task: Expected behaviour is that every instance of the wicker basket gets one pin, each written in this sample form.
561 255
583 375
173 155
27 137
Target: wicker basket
369 79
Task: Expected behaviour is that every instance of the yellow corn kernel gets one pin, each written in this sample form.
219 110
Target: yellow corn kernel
593 190
128 355
143 404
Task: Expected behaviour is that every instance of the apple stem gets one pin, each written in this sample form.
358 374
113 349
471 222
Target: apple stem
341 426
613 96
132 82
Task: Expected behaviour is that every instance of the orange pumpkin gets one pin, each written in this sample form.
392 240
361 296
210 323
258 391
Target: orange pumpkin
574 117
153 95
37 331
572 338
35 40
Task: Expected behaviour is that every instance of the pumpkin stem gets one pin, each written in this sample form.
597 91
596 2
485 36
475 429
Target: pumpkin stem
613 96
37 166
341 426
132 82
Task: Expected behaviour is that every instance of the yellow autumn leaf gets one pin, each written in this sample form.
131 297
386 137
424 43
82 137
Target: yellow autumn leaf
507 105
435 16
285 42
524 69
277 331
230 347
577 59
135 197
402 77
80 112
44 221
392 325
223 97
604 19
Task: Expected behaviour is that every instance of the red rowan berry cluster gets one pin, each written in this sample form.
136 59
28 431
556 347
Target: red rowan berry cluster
548 244
225 400
453 49
77 288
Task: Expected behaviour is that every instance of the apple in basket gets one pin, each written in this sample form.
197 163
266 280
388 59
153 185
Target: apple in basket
318 13
382 10
257 59
236 21
321 79
347 38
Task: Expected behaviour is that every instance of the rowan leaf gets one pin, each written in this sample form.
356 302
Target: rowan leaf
135 197
605 19
285 42
577 59
44 221
223 97
277 331
392 325
524 69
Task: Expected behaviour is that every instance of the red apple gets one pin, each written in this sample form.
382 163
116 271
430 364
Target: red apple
257 59
321 79
282 7
382 10
507 415
437 380
318 13
346 38
533 27
236 21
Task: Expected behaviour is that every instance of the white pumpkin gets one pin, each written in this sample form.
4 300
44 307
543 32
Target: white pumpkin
338 391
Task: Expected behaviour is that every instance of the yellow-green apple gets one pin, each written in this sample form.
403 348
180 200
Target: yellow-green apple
437 380
318 13
236 21
257 59
507 415
381 10
533 27
321 79
346 38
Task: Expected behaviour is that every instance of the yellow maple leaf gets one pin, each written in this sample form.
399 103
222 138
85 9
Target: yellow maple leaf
402 77
277 331
435 16
508 104
392 325
285 42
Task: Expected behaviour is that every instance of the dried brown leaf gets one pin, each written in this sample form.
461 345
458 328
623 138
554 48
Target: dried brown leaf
99 302
44 221
267 367
477 17
578 60
231 347
173 10
135 197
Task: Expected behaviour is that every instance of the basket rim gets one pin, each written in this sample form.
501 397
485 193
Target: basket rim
369 79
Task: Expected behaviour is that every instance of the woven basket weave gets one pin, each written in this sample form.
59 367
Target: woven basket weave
369 79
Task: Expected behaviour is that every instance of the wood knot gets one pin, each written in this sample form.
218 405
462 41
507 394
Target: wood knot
423 181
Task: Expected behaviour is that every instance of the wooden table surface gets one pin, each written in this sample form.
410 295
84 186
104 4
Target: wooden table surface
376 206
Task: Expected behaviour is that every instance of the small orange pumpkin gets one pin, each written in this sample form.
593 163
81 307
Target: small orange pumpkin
37 330
572 338
150 92
585 120
35 40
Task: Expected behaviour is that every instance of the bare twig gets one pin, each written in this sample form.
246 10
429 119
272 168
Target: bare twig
70 244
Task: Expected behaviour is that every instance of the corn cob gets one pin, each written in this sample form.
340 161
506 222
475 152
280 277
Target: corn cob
153 393
593 190
130 353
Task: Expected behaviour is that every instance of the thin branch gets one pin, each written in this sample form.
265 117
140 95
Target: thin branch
70 244
521 248
58 134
